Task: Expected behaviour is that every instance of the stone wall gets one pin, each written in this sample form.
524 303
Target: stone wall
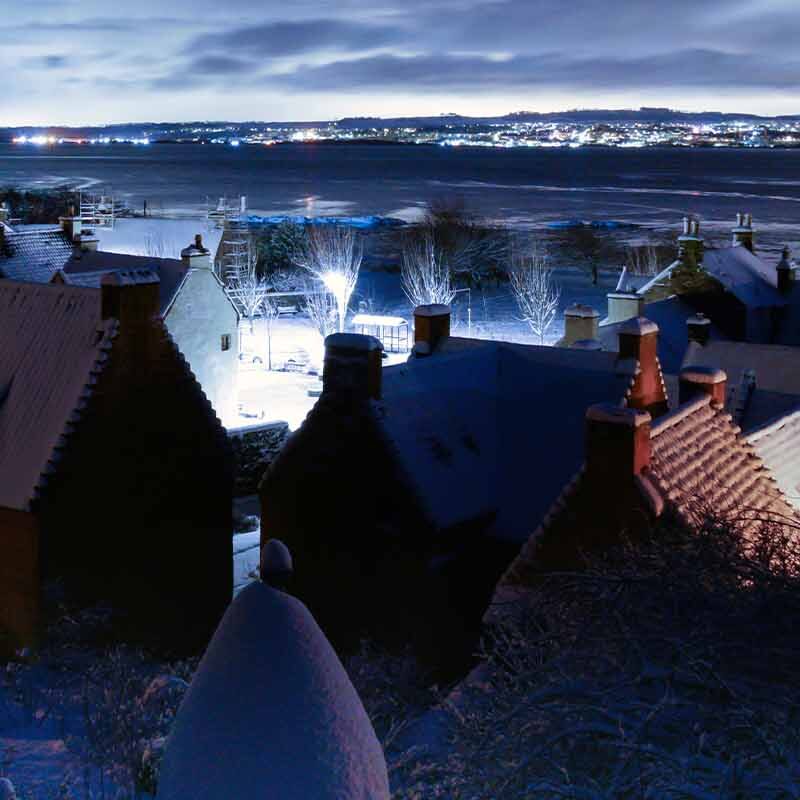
254 449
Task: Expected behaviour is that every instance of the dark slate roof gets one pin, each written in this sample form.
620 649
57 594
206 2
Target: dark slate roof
492 429
778 445
752 280
670 315
777 378
86 268
54 343
33 253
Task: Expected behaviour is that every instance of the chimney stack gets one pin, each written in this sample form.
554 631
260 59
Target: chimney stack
5 213
624 305
743 232
696 381
87 241
690 245
617 442
130 295
431 325
71 224
698 328
785 270
353 366
196 256
580 323
638 355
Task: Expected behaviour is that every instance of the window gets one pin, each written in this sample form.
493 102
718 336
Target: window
226 341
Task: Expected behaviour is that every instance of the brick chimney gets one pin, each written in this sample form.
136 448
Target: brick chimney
638 356
580 322
785 270
695 381
690 245
743 232
353 366
196 256
130 296
431 325
698 328
71 224
624 305
617 442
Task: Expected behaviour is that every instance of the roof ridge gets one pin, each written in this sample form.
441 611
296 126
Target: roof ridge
679 414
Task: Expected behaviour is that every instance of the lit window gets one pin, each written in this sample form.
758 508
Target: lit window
226 341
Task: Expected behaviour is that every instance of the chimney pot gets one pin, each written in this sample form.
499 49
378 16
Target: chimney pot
431 325
695 381
686 226
617 442
353 366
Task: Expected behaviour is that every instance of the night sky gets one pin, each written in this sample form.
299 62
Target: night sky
94 61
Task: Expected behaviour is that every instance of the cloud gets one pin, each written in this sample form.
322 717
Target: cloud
285 38
437 73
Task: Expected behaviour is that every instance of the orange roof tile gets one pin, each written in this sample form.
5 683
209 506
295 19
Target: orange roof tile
54 344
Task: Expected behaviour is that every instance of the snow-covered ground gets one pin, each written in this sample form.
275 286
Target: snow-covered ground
293 347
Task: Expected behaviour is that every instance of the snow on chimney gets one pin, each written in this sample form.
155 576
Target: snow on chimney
71 224
698 328
695 381
617 442
743 232
638 356
581 322
785 270
431 325
353 366
196 256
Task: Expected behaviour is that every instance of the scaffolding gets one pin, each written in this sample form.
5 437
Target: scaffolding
100 210
221 211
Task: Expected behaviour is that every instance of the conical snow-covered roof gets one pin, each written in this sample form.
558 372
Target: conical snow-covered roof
272 714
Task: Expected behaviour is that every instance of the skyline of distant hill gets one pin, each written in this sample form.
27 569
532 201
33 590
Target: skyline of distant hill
577 116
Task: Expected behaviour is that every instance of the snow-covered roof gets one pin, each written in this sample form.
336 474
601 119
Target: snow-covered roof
778 445
271 714
53 346
33 253
153 236
86 268
776 369
752 281
700 463
492 429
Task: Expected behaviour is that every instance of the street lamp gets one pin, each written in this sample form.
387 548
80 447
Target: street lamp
338 286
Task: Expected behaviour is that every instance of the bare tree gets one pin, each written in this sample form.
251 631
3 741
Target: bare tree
248 291
425 272
535 291
333 255
642 259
